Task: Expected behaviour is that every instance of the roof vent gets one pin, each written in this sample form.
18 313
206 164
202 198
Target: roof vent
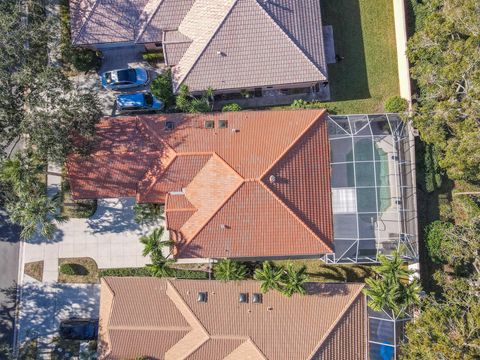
257 298
209 124
243 298
235 130
202 296
272 179
221 53
270 308
224 226
169 125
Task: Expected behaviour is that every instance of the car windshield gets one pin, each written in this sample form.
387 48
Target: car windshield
127 75
148 99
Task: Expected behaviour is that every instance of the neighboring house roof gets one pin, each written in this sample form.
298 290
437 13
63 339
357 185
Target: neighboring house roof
162 319
260 187
222 44
251 43
142 21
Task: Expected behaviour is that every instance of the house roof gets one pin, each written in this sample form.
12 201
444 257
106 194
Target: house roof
161 318
267 43
229 192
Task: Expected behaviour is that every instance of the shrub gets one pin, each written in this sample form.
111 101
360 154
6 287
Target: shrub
125 272
231 107
191 104
162 88
68 269
396 104
433 173
83 59
153 57
435 234
228 269
302 104
145 272
299 104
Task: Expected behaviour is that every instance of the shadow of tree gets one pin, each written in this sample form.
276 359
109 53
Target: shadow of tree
43 306
114 215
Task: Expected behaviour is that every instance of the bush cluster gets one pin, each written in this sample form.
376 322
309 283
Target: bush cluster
396 104
435 235
162 88
177 273
68 269
231 107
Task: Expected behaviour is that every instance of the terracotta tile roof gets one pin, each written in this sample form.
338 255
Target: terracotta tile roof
244 194
253 223
329 322
267 43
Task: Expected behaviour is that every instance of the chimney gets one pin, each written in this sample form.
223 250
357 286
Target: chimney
272 179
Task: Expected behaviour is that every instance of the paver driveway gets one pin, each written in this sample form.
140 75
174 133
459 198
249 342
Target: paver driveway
110 237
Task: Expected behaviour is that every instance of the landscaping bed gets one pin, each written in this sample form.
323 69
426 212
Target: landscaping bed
82 270
34 270
176 273
81 209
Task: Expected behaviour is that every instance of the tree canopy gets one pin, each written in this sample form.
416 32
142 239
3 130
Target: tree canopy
36 98
445 57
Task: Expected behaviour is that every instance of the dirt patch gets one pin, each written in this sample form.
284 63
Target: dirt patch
34 270
77 270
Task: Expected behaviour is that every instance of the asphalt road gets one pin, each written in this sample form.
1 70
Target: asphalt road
9 251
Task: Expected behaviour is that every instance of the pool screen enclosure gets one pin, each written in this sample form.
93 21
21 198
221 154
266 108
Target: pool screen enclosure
373 187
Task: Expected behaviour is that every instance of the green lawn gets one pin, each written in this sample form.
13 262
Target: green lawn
364 35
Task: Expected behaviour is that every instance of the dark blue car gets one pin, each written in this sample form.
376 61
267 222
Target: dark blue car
79 329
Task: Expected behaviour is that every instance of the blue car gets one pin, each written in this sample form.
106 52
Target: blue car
143 101
124 78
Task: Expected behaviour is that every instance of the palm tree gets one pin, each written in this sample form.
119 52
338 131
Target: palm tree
393 268
270 276
153 243
382 294
392 290
294 280
148 213
160 265
228 269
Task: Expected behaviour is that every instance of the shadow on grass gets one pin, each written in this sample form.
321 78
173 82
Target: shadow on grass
428 208
348 77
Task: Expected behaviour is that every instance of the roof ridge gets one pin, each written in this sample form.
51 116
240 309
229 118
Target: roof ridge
295 216
194 322
337 320
290 39
149 19
227 198
288 148
177 84
90 12
149 328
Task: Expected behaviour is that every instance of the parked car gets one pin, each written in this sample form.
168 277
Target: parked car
124 78
143 101
79 329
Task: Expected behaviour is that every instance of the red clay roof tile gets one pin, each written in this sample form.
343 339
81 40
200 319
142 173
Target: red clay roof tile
253 194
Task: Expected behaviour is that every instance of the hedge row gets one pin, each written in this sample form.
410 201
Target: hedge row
176 273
